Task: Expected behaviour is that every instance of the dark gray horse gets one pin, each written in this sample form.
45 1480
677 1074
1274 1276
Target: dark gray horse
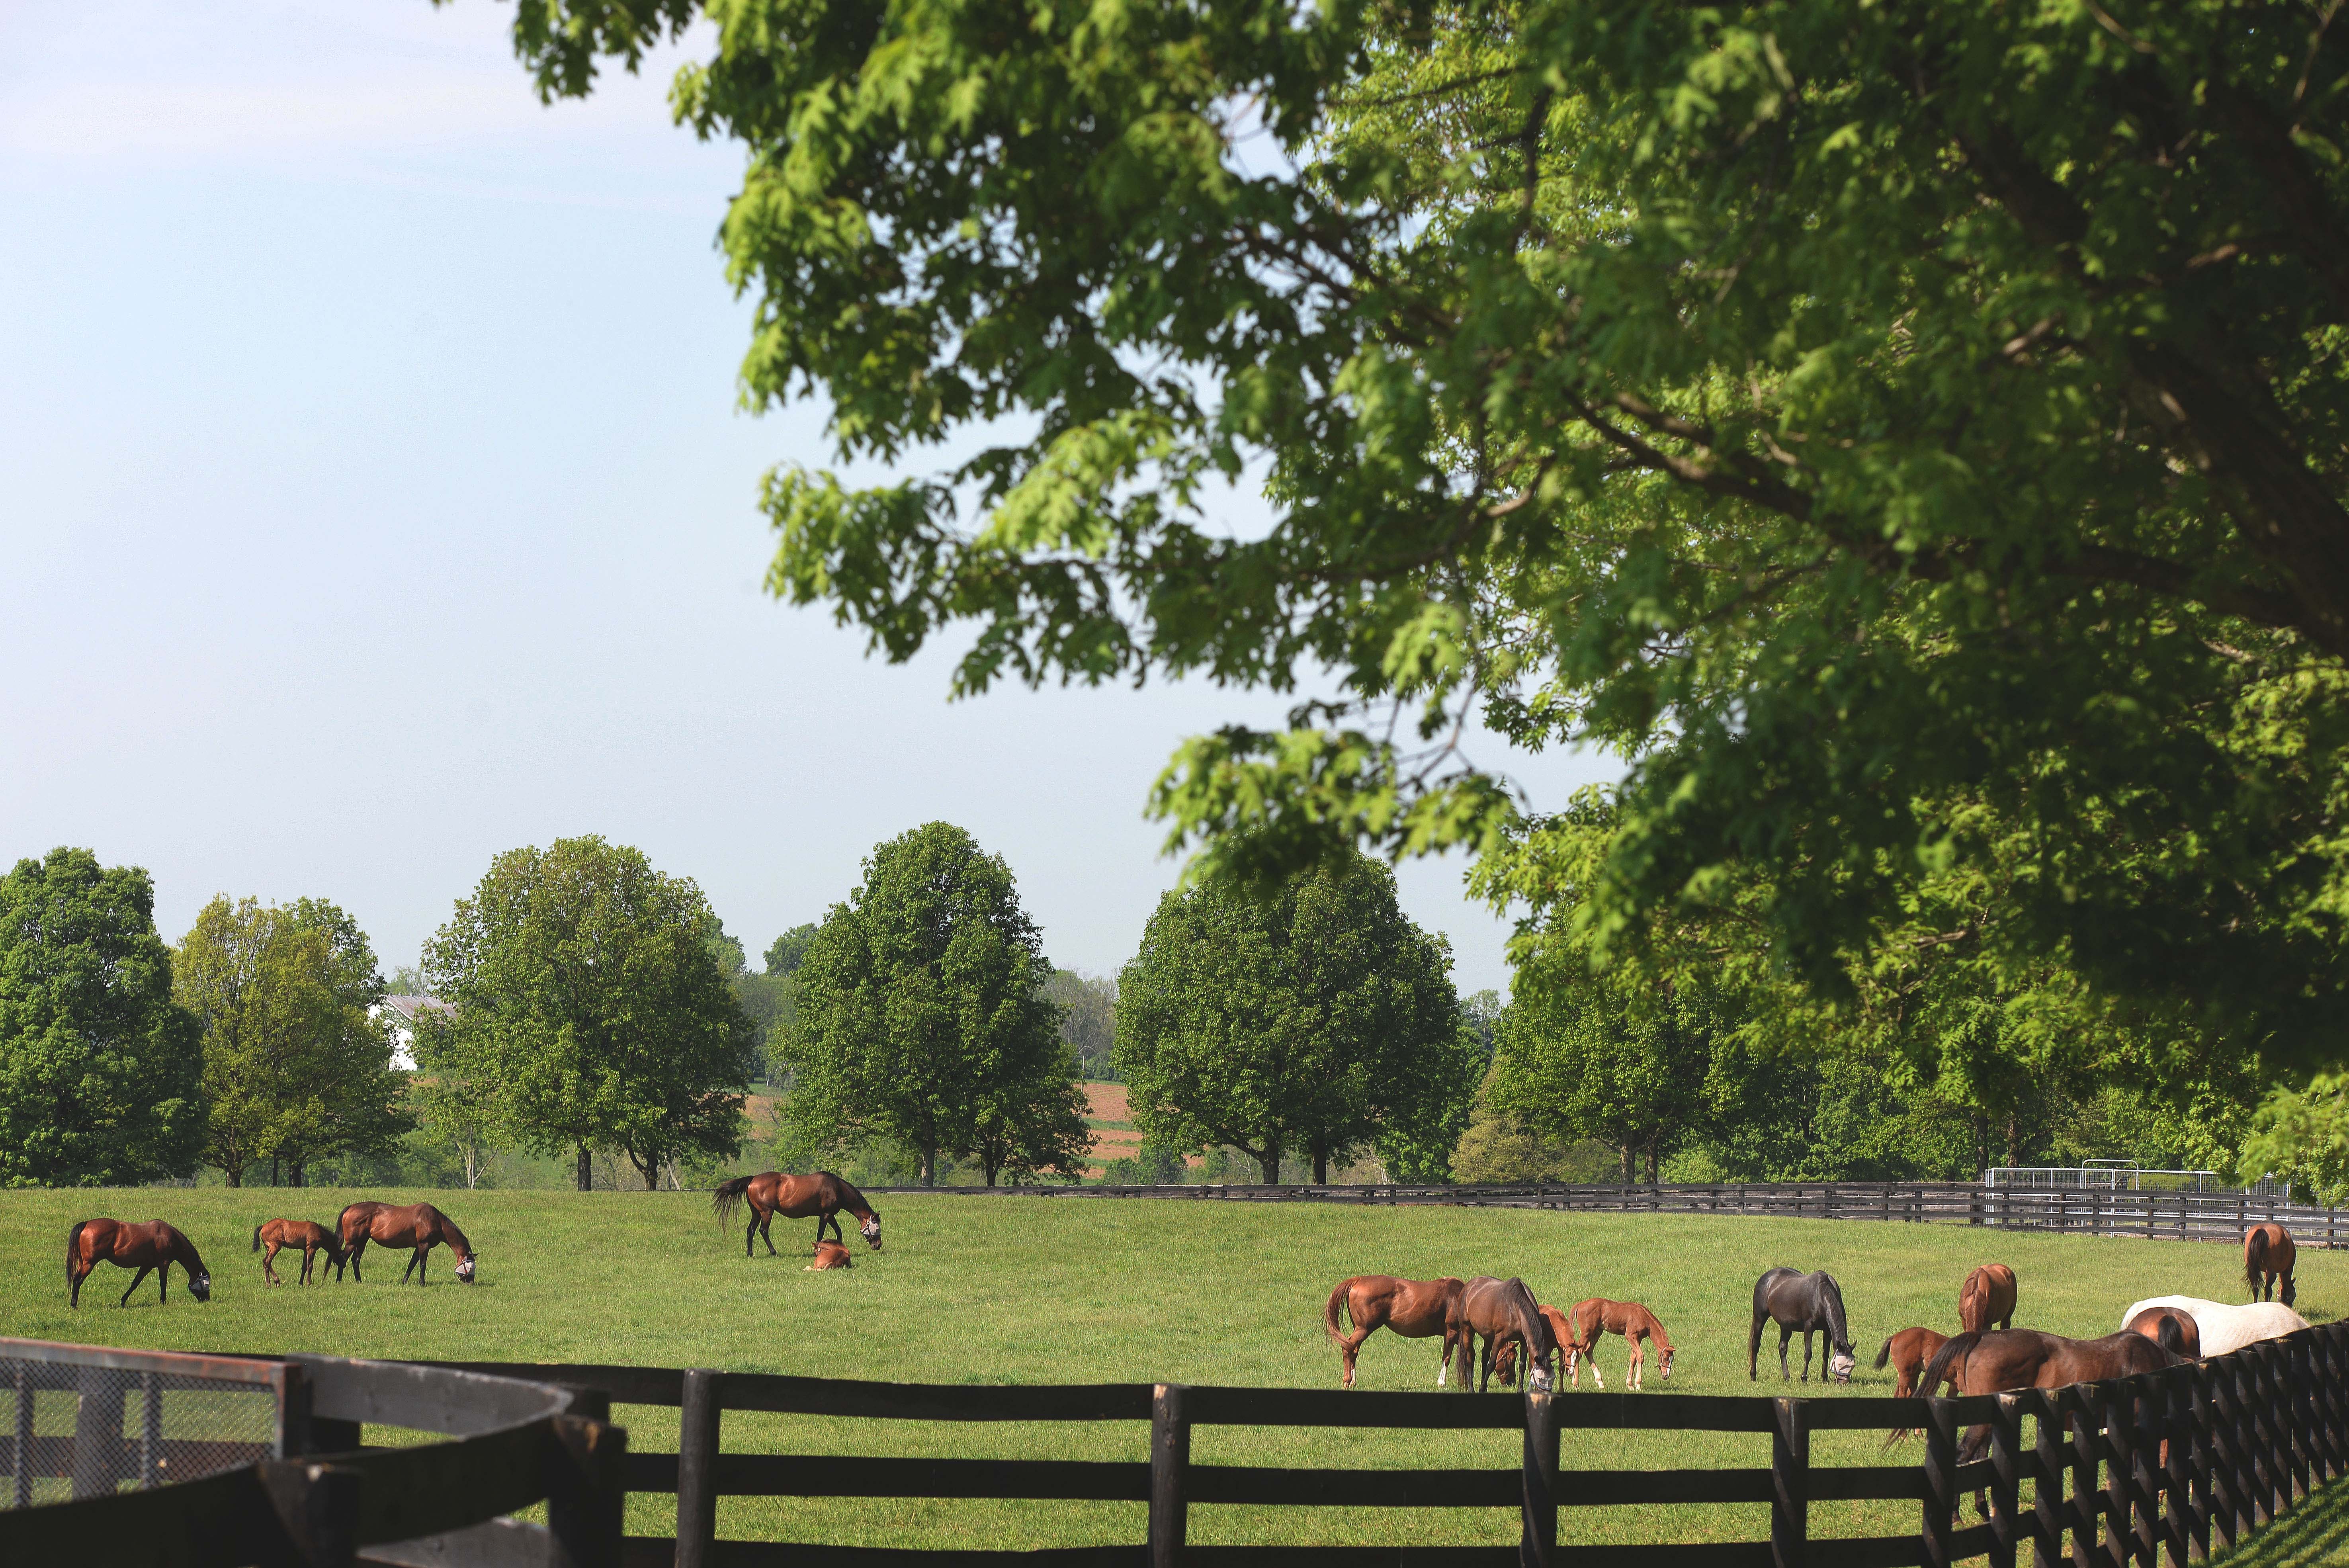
1504 1311
1804 1304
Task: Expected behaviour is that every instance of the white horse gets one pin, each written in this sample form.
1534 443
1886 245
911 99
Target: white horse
2226 1327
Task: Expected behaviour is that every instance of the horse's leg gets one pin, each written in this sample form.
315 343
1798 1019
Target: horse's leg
143 1272
1806 1357
267 1272
1632 1369
423 1261
358 1250
414 1258
1786 1333
1754 1348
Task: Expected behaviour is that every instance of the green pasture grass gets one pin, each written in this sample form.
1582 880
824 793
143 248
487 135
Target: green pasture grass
1017 1289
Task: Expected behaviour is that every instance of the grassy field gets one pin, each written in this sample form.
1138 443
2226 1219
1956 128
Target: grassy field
1023 1291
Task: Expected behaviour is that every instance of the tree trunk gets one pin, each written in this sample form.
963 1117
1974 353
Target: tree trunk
990 1168
1624 1151
1652 1144
296 1175
1269 1165
1320 1167
2015 1140
586 1171
272 1170
929 1167
472 1167
234 1172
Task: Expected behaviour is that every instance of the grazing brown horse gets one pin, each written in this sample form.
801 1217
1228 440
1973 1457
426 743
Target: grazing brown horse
2268 1256
1986 1298
2182 1335
2006 1359
151 1246
1908 1351
418 1225
1504 1367
311 1237
1504 1311
1415 1309
1635 1322
770 1193
831 1255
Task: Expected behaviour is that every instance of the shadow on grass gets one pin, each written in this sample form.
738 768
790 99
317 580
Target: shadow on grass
2316 1532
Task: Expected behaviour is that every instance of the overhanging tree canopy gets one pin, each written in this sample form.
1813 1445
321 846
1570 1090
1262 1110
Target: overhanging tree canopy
1911 435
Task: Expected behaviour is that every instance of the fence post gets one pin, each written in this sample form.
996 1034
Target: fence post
2095 1212
150 1428
2251 1506
2203 1459
1941 1481
98 1432
2006 1471
2328 1357
2300 1388
1537 1541
2275 1433
1790 1485
24 1436
697 1465
2047 1490
2085 1406
2120 1467
2143 1430
317 1509
586 1483
2177 1406
1170 1466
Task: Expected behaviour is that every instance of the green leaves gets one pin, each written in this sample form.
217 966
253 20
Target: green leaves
923 1017
589 1008
1912 439
100 1069
1310 1022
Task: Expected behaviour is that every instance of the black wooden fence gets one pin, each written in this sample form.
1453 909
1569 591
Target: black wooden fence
2160 1466
2151 1215
303 1490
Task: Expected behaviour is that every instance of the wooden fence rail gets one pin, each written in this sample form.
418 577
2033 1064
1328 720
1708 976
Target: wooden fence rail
319 1499
2159 1466
2151 1215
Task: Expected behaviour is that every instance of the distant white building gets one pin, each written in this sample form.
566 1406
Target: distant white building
403 1012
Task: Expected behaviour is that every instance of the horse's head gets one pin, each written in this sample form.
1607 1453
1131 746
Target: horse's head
870 1226
2289 1294
1840 1361
1538 1378
1665 1371
200 1285
465 1268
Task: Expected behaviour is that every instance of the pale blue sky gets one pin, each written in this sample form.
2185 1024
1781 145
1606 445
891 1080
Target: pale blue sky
373 500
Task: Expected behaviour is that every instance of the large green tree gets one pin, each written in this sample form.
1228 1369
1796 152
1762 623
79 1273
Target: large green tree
294 1068
923 1017
590 1006
1310 1022
1910 435
1590 1063
101 1071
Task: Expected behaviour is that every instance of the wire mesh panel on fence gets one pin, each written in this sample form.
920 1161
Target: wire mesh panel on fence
83 1421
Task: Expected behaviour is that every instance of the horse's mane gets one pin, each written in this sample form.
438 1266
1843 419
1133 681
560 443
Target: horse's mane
1937 1371
850 1199
1833 1295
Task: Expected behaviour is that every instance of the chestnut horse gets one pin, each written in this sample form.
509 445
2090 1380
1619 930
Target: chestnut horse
1504 1311
1635 1322
2006 1359
1908 1351
311 1237
830 1255
418 1225
151 1246
770 1193
1415 1309
2172 1328
2268 1257
1987 1297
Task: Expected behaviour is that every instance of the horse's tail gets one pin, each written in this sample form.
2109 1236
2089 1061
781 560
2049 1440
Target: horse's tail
256 1239
1340 1309
73 1248
1884 1355
729 1198
2169 1336
1937 1371
2255 1255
